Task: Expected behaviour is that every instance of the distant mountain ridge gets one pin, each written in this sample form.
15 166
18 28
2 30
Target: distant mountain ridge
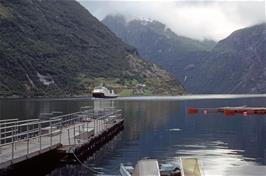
54 47
234 65
158 44
140 33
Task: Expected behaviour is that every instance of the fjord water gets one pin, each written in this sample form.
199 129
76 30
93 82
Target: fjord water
159 127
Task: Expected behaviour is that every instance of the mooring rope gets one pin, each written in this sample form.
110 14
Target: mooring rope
84 165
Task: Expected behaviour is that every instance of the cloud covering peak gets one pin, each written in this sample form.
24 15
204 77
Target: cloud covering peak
195 19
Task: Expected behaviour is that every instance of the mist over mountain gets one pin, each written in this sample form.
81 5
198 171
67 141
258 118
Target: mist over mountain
235 65
54 47
149 36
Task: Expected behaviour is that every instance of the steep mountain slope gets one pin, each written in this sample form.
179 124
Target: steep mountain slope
158 44
236 64
55 47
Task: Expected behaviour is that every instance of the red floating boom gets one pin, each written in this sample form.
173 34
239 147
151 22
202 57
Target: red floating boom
229 111
193 110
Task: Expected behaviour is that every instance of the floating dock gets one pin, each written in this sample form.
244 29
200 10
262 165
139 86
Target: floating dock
242 110
67 135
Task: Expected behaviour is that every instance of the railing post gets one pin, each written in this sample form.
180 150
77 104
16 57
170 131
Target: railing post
40 135
105 123
0 133
100 125
0 136
61 127
4 133
74 134
97 126
12 145
51 134
68 136
16 131
28 146
83 133
27 128
95 130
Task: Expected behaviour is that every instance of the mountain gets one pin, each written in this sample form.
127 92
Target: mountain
57 48
236 64
158 44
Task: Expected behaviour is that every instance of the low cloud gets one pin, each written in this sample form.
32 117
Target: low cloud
195 19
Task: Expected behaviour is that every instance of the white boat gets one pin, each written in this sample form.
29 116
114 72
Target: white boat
151 167
103 92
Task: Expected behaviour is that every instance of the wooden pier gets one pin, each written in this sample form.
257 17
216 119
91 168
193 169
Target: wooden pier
69 135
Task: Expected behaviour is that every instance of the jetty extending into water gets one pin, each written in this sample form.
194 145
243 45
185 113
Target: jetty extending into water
68 136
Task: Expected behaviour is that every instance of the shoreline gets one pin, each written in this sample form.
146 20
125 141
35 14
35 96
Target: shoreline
152 97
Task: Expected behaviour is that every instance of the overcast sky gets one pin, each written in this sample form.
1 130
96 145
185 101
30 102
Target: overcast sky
196 19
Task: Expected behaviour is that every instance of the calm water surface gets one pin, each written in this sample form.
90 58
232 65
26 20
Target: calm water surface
159 127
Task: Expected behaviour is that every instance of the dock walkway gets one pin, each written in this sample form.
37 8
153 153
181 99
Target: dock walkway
24 139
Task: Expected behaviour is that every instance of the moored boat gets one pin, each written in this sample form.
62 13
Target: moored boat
103 92
151 167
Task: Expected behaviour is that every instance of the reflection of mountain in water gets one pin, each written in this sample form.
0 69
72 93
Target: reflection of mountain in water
144 116
244 134
227 145
31 108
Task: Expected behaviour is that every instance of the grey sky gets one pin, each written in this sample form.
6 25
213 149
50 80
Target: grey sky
196 19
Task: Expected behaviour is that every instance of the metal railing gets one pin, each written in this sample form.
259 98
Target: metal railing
24 137
94 126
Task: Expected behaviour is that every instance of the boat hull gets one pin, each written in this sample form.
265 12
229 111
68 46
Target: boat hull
102 95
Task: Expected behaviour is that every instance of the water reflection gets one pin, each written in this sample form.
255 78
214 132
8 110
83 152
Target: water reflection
100 104
162 129
31 108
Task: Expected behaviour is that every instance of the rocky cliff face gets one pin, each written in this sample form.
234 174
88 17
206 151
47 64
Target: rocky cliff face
238 63
235 65
55 47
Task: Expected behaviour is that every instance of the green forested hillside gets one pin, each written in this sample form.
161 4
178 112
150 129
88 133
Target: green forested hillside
55 47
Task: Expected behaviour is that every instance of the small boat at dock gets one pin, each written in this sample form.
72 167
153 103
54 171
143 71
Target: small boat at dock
103 92
151 167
